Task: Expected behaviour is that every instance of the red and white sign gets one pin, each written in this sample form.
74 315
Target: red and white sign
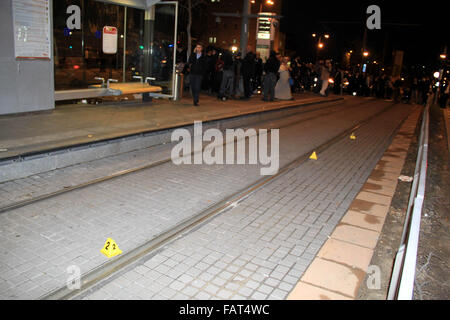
110 40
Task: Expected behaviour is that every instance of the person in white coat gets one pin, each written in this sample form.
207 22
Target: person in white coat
283 87
325 77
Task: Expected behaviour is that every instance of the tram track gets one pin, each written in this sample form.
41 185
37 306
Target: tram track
102 272
18 204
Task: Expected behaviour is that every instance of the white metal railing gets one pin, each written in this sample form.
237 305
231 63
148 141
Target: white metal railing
401 286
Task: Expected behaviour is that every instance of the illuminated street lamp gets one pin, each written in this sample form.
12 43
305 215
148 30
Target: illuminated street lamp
365 54
268 2
320 44
443 56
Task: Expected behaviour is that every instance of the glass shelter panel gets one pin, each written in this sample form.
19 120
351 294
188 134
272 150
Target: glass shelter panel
98 64
162 52
79 56
134 44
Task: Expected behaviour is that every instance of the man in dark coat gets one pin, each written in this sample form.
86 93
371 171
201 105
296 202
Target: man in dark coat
248 73
237 75
197 66
271 68
208 80
226 86
258 72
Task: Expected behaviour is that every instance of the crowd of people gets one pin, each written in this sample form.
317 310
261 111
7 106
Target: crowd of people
231 76
323 78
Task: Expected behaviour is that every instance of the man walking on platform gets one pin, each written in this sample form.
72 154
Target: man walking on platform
197 70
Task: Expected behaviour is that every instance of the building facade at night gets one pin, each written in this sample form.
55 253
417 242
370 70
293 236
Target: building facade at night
225 32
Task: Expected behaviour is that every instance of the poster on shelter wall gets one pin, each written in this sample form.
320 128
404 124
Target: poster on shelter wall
32 39
110 40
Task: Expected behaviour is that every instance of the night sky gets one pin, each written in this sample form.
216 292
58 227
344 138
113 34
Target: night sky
423 38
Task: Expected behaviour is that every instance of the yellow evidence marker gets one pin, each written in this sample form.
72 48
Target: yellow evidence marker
353 137
313 156
111 249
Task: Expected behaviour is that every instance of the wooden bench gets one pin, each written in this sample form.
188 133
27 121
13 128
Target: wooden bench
131 87
111 89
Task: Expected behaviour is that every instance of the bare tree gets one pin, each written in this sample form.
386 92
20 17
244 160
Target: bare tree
189 6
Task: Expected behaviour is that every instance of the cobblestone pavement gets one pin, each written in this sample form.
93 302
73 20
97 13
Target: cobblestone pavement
53 181
40 241
260 249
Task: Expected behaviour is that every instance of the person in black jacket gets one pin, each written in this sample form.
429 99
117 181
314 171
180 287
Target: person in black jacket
226 86
248 73
197 66
271 68
258 72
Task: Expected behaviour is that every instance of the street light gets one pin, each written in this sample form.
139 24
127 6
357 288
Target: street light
443 56
268 2
365 54
320 44
326 36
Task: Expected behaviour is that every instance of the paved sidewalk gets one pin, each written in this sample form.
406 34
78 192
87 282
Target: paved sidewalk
40 241
260 249
343 262
36 185
77 124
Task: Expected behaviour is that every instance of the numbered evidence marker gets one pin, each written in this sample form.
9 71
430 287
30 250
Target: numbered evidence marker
111 249
353 137
313 156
